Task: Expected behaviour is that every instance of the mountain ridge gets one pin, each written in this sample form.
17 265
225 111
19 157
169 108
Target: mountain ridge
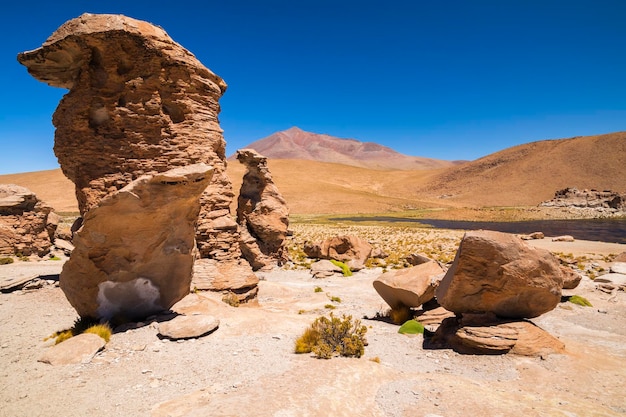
295 143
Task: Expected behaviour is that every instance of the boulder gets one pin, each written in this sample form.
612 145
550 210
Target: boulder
134 253
499 273
236 277
571 278
611 280
138 104
324 269
532 236
343 248
620 258
409 287
417 259
188 327
27 225
78 349
262 213
564 238
487 335
618 267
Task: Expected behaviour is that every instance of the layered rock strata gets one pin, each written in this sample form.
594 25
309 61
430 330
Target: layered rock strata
262 213
27 225
592 202
138 103
134 253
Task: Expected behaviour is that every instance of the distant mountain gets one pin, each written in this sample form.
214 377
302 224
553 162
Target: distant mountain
295 143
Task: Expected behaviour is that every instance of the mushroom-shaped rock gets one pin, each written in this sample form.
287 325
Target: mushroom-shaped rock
133 255
499 273
410 287
138 103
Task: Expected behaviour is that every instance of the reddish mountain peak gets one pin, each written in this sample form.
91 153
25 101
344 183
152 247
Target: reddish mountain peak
295 143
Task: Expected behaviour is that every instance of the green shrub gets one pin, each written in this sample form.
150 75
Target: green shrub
335 299
319 289
6 261
330 306
345 269
328 337
102 330
578 300
411 327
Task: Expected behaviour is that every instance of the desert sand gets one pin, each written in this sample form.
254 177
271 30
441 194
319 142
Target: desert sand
247 366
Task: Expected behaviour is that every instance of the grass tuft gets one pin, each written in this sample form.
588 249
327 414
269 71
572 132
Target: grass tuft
334 336
345 269
579 300
411 327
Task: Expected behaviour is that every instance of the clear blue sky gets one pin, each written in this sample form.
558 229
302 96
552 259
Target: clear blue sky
442 79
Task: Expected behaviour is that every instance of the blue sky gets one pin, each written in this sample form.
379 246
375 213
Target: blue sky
441 79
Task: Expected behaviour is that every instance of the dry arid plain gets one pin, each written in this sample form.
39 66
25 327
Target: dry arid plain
248 365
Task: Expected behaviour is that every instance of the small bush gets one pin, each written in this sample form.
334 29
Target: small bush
330 306
375 359
328 337
345 269
335 299
319 289
411 327
6 261
231 299
400 314
82 325
578 300
102 330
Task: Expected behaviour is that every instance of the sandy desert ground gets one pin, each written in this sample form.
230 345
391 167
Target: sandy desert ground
247 367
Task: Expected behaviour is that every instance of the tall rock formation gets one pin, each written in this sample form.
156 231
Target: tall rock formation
138 103
134 253
262 213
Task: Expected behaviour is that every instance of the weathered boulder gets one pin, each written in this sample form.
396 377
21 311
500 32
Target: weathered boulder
133 255
417 259
262 213
564 238
571 278
343 248
620 258
532 236
27 225
236 277
499 273
485 334
324 269
138 103
409 287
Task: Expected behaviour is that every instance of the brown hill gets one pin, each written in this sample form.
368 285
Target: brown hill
522 175
295 143
530 173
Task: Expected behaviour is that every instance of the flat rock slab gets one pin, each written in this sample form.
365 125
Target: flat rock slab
14 276
188 327
78 349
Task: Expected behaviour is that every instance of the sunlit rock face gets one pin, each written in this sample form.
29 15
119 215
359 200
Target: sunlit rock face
134 253
138 103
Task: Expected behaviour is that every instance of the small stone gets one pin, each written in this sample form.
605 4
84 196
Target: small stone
186 327
78 349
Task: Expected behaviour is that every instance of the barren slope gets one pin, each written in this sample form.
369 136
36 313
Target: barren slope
523 175
529 174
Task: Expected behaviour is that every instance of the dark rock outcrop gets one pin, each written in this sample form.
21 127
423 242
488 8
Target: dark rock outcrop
27 225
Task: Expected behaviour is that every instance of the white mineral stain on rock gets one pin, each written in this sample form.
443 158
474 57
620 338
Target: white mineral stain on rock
115 297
